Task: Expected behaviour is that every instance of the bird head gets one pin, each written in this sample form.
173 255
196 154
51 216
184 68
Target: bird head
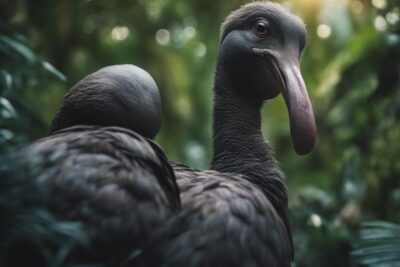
120 95
261 49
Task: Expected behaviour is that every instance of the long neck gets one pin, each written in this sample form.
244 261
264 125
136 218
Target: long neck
238 142
237 136
239 146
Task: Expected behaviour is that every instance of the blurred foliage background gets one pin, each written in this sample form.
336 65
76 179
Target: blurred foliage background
351 67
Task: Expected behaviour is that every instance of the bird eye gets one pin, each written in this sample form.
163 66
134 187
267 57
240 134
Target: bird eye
260 29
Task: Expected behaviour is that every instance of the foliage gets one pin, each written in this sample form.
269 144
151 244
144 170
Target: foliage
379 245
30 234
21 73
351 67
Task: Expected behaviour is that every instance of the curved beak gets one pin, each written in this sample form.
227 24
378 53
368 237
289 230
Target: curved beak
286 69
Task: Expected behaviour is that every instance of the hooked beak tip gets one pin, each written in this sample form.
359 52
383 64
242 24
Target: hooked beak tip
302 122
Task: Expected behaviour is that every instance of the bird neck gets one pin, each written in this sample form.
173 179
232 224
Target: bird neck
239 146
237 138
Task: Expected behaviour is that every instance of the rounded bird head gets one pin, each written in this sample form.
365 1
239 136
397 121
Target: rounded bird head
120 95
261 48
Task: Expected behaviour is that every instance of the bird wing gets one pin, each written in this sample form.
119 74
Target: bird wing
225 221
115 182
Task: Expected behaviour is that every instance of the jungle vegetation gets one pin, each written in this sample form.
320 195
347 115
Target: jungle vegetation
344 196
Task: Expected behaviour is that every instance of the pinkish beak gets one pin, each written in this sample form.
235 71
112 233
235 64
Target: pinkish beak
302 123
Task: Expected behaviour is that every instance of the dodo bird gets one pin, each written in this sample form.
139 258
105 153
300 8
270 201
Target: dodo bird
138 209
115 181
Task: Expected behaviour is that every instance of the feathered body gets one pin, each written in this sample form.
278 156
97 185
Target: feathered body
226 220
135 207
118 184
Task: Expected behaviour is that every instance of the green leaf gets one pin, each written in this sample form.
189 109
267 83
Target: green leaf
5 135
7 110
5 80
50 68
19 48
378 245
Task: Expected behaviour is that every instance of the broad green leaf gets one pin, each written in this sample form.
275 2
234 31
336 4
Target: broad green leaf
6 135
379 244
50 68
5 80
7 110
19 48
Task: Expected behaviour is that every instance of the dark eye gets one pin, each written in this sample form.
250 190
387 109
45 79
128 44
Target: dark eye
260 28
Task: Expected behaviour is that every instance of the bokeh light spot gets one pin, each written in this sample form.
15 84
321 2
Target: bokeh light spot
189 32
380 23
392 17
315 220
163 36
379 3
195 151
119 33
357 7
324 31
201 50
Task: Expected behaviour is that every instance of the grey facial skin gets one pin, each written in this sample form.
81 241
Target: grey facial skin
275 66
